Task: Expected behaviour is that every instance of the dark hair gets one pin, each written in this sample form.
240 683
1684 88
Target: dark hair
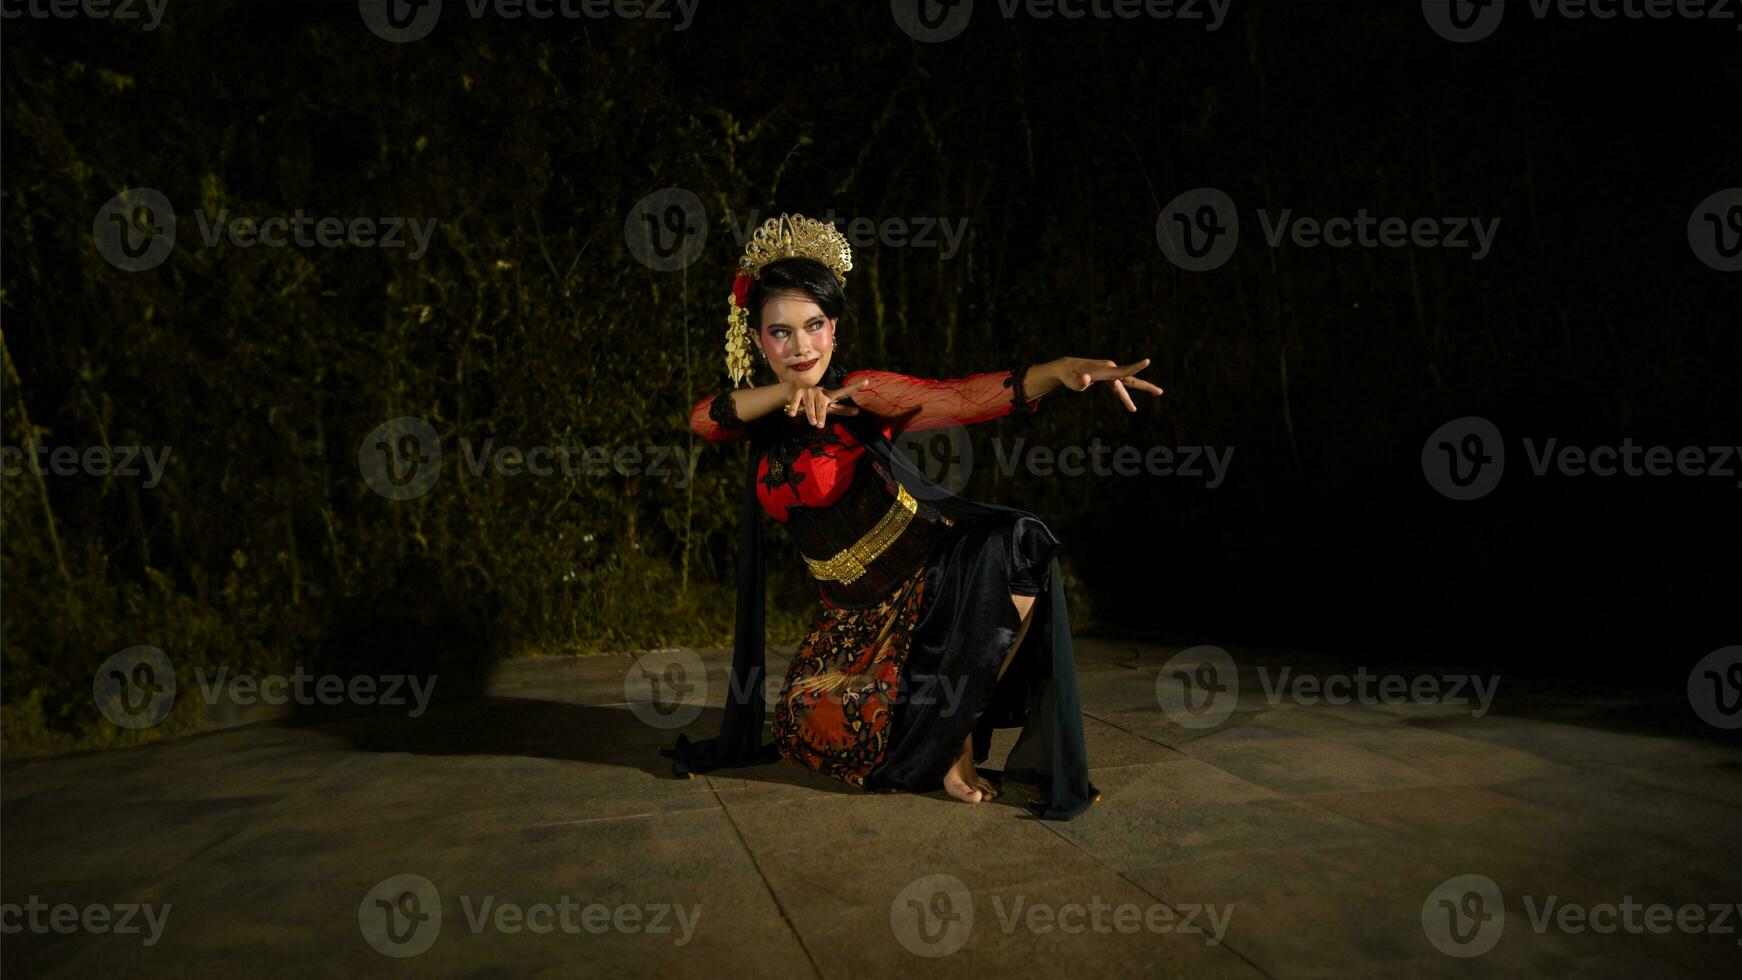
807 276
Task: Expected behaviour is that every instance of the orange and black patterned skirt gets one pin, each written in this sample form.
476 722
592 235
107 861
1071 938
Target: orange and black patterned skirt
838 700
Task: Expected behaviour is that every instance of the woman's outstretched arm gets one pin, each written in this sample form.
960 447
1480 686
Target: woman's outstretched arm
928 403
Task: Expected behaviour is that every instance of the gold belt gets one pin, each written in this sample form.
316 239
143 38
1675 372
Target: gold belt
852 560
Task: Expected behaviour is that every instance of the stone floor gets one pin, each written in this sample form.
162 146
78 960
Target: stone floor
1290 840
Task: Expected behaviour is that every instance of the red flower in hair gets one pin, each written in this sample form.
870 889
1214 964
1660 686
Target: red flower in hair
741 290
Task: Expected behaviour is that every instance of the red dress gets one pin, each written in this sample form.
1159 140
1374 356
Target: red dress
838 703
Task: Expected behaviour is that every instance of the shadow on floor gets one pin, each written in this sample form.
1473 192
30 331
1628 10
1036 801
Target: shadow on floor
612 736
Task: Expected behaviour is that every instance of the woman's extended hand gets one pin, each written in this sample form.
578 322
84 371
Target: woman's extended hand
1078 373
817 402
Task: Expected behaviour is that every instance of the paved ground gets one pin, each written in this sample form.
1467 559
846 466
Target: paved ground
1291 840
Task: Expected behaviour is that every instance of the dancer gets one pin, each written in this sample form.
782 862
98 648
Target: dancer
941 618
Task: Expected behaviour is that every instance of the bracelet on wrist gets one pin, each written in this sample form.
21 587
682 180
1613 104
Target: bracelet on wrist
1018 396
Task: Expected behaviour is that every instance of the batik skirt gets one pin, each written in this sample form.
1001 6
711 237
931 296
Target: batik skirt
883 697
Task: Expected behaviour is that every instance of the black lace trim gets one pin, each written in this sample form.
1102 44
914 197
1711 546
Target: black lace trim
785 449
1017 395
724 412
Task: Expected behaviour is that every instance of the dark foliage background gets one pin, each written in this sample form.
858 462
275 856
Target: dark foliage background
529 321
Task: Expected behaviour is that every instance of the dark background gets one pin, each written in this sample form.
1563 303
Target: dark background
530 320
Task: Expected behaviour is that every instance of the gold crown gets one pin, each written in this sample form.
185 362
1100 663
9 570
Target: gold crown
796 236
785 237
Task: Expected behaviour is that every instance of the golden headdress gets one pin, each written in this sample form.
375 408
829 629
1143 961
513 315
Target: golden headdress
785 237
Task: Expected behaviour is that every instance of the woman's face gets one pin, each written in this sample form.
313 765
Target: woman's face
797 337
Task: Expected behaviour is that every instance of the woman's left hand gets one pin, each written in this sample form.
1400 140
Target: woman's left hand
1079 373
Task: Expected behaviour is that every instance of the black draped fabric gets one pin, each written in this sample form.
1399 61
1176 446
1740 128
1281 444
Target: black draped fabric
967 623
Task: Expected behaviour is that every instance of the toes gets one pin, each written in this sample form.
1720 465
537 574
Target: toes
962 790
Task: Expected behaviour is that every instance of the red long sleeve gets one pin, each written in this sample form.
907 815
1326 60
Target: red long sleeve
702 423
926 403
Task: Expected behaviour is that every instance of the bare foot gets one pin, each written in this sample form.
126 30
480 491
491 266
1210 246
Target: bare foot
962 782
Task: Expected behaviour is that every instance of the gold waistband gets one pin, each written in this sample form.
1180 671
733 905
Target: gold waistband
852 560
